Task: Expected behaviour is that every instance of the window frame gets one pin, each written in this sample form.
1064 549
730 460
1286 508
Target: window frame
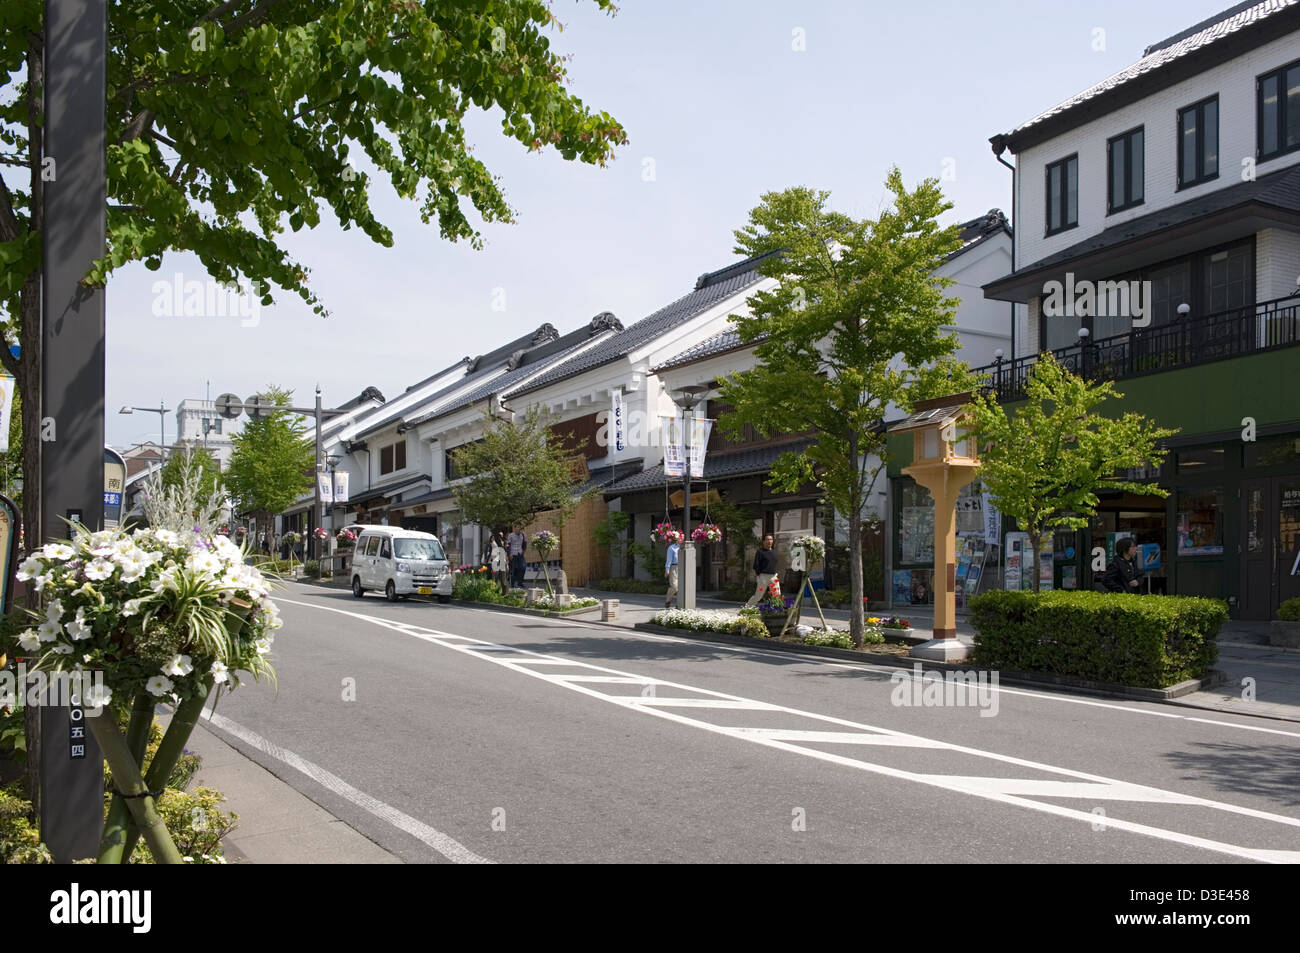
1282 148
1064 165
386 453
1127 139
1201 176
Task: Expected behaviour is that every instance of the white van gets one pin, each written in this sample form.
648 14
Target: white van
400 563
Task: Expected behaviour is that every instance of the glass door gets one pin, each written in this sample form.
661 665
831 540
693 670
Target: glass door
1287 494
1257 550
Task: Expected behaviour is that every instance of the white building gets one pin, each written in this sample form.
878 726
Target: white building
199 425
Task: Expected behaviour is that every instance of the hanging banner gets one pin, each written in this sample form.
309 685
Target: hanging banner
701 427
992 520
6 398
620 417
670 430
326 493
340 486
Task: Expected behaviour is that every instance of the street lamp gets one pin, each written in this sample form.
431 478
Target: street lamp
687 398
332 462
162 413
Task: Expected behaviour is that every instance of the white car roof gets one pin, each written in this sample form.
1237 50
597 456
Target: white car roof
397 531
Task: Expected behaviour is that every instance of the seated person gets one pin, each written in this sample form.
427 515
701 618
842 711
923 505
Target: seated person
1123 574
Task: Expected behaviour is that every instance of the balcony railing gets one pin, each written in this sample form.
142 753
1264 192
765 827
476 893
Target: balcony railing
1182 343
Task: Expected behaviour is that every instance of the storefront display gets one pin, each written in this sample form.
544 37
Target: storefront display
1200 522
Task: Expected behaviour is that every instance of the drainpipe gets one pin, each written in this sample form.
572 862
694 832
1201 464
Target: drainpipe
998 146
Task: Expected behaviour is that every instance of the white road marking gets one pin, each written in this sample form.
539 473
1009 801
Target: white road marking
452 849
985 789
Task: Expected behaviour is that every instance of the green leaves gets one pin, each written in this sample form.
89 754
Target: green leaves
273 461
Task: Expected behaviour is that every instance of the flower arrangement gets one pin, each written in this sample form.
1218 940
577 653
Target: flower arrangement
136 617
889 622
321 533
707 533
224 529
814 548
291 538
772 603
241 531
666 533
345 537
544 541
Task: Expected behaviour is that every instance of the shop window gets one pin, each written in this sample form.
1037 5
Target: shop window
1200 522
1200 461
1273 451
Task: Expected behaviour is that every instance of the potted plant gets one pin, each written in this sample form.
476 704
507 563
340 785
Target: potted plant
169 612
707 533
773 608
666 533
1285 630
544 541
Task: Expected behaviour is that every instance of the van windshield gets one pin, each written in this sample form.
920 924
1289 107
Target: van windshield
418 549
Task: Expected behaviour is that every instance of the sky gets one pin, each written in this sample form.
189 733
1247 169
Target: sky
722 100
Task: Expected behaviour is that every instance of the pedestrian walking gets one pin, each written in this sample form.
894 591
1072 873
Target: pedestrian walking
670 570
515 544
764 569
498 561
1123 573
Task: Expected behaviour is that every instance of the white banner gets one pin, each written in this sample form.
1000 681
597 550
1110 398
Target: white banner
701 427
6 398
620 417
992 521
340 486
670 429
323 481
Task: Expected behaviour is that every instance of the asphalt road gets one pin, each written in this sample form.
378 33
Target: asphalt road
457 734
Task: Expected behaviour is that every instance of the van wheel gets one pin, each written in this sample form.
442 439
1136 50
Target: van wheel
356 587
390 591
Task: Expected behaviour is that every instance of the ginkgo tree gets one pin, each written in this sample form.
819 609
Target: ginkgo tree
1045 461
230 121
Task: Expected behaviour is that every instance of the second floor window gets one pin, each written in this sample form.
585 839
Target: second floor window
1126 173
1278 95
392 457
1198 143
1063 195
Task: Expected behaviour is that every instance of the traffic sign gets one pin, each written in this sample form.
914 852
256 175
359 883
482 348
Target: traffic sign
258 406
229 406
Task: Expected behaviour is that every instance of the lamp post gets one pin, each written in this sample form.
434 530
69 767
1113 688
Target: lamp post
162 413
687 398
997 357
332 462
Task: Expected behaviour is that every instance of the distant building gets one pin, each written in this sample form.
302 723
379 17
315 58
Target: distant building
198 424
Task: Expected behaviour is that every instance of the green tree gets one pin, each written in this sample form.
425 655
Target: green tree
192 460
230 119
854 327
611 534
518 470
273 461
1045 463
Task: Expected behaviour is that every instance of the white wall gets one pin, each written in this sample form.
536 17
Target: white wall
1234 82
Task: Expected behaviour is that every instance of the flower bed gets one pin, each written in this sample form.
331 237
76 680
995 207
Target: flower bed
750 622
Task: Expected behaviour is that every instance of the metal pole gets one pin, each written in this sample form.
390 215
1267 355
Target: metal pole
71 782
315 475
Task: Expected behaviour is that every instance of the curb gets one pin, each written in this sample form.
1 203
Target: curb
1019 679
521 610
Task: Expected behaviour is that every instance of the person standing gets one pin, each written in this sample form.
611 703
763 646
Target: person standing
498 561
764 569
515 544
670 570
1123 574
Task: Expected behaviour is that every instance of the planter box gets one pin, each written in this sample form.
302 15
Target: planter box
1285 634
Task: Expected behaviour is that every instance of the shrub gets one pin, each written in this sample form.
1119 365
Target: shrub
1148 641
20 841
1289 611
312 568
750 625
195 823
475 587
840 640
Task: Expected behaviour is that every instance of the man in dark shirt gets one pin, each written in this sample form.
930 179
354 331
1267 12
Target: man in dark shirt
764 569
1123 574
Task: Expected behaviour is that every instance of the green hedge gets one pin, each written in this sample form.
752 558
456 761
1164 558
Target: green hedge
1289 611
1147 641
652 587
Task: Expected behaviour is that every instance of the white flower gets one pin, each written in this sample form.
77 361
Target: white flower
30 640
63 648
29 568
60 551
159 685
99 569
49 630
219 673
41 581
263 645
132 571
167 536
97 696
131 607
204 562
166 580
180 665
77 629
54 610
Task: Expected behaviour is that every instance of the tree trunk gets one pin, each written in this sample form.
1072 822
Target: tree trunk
1035 540
856 615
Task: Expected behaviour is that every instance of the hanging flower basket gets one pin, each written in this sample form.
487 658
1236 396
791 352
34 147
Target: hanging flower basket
345 538
666 533
813 547
707 533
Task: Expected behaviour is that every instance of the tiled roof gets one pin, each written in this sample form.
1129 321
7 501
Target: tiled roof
1159 56
979 230
1280 190
720 343
716 467
710 289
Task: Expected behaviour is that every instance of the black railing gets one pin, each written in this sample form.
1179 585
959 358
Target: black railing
1182 343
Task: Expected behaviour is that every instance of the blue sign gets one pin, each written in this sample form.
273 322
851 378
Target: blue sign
1069 552
112 499
1150 556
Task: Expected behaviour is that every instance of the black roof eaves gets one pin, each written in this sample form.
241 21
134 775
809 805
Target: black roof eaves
710 278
